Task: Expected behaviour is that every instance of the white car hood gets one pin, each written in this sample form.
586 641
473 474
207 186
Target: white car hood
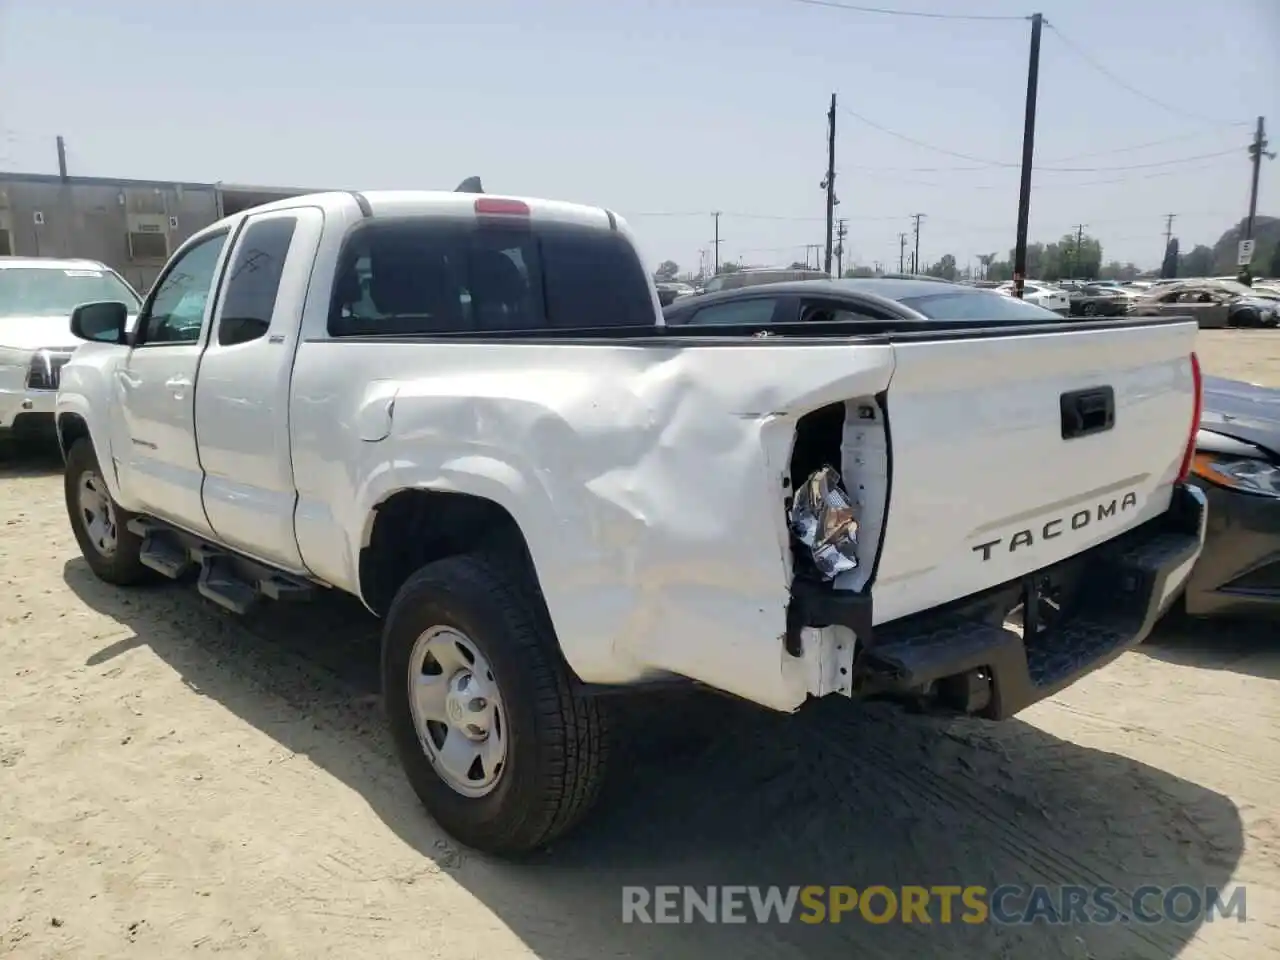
35 333
32 333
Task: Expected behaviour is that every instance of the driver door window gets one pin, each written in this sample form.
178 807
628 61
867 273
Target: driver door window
176 311
155 390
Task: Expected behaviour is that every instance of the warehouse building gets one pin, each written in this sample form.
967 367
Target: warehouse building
130 225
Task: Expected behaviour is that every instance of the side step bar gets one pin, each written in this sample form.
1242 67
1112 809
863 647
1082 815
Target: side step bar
231 581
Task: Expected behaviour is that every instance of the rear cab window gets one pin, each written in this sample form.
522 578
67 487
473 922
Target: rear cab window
426 276
253 281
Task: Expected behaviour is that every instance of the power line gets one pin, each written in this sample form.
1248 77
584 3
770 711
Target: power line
752 216
885 173
1079 52
1141 166
927 146
919 14
1180 138
987 162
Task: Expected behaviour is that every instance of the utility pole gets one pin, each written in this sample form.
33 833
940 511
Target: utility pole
902 253
842 231
1257 150
1168 229
1077 259
1028 153
875 267
829 182
915 259
62 159
715 263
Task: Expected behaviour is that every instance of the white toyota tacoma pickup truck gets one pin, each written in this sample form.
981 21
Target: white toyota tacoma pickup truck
467 411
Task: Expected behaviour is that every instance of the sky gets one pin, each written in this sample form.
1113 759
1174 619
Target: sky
665 110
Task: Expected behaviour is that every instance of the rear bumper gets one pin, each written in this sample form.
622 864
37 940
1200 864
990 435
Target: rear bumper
24 406
26 413
959 659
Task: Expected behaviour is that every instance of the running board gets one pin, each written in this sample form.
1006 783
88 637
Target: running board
233 582
162 554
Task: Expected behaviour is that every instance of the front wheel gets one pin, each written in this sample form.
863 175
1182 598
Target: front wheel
496 743
98 522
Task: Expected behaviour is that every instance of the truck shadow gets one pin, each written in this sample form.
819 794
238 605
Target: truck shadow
29 459
711 791
1250 647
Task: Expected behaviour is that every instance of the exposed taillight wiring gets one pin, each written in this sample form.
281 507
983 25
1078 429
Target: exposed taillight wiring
1197 382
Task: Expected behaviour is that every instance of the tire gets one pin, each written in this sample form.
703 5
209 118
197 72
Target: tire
1089 309
121 564
556 742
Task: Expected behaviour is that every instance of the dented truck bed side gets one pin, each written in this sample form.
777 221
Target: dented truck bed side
651 479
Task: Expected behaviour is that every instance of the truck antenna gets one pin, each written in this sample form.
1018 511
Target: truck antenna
470 185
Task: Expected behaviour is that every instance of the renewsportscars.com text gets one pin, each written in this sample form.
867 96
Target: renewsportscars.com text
1008 904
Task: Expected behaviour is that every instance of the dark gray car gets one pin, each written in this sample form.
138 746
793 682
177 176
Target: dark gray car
1237 465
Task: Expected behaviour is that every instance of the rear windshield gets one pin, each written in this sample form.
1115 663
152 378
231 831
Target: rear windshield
437 276
55 292
978 305
736 281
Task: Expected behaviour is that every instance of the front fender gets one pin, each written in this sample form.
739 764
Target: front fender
85 391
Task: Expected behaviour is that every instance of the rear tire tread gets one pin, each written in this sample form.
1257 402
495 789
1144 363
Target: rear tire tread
571 732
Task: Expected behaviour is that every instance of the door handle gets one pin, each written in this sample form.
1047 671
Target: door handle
178 386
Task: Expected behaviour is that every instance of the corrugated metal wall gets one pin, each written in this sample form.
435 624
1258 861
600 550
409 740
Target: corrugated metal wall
87 217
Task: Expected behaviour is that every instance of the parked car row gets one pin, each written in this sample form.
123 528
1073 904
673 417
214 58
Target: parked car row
1214 302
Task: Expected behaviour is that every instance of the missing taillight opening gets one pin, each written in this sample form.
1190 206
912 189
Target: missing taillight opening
1197 382
845 443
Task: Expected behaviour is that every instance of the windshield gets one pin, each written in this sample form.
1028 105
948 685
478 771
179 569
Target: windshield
979 305
51 292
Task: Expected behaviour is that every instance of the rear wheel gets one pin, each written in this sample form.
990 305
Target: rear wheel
1089 309
498 746
1243 318
98 522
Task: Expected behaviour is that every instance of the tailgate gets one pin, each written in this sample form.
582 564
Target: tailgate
992 475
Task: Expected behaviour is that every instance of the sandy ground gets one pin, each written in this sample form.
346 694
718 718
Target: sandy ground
175 782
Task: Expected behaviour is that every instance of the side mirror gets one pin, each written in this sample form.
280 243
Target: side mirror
101 322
